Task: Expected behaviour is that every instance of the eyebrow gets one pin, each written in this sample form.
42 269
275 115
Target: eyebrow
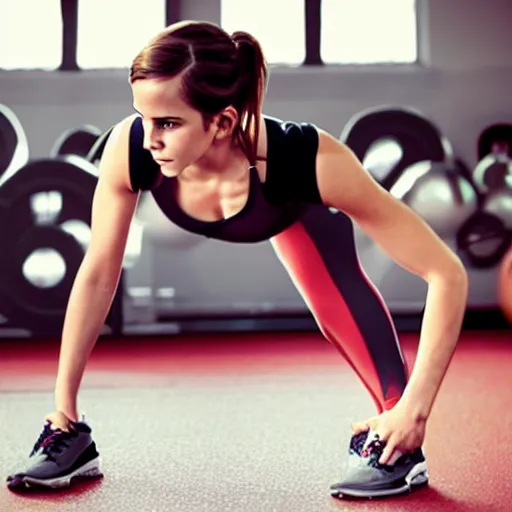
165 118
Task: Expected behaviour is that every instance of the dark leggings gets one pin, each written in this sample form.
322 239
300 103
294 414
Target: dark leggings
319 253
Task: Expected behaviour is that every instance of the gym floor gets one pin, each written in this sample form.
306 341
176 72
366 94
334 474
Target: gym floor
252 422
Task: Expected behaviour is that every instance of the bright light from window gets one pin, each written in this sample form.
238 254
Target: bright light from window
278 25
110 34
30 34
368 31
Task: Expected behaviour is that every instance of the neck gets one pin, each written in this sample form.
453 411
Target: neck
222 162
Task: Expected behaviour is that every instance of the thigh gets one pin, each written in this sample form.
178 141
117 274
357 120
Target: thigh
320 256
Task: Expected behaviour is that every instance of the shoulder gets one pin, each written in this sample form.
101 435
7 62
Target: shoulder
124 150
112 152
291 152
291 143
119 134
330 148
117 139
143 170
342 180
332 154
289 132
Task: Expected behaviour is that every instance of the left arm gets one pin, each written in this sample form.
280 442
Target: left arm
345 185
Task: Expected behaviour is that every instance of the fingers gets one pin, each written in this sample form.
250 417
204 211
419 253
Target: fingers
360 426
387 453
392 451
363 426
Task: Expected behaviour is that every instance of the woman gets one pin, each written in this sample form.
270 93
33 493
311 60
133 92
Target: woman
219 168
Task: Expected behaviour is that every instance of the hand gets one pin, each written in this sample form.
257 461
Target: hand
398 428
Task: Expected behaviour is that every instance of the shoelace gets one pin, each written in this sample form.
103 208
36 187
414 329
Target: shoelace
373 450
371 453
52 441
46 432
357 442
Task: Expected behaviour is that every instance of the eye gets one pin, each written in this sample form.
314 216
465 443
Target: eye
166 125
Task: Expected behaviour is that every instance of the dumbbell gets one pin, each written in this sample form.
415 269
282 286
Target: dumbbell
409 156
485 237
499 204
14 151
388 140
483 240
440 193
96 150
45 213
76 141
493 172
497 132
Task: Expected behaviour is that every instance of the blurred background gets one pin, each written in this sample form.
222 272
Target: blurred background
420 90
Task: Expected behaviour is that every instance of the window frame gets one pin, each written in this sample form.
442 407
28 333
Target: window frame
387 64
313 36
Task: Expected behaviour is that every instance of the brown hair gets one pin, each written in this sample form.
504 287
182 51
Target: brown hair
218 70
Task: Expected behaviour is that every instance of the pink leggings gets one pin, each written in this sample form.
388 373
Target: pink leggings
319 253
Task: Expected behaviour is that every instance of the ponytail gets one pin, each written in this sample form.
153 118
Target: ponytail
251 90
218 70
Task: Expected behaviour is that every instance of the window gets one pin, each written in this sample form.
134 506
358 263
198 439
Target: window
30 34
279 26
110 34
368 31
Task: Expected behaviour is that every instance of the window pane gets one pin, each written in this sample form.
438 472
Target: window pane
111 33
277 24
30 34
368 31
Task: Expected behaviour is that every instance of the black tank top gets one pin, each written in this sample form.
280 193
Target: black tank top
289 189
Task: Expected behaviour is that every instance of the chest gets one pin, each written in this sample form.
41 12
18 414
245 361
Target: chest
214 201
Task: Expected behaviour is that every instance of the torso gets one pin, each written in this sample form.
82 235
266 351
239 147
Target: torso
253 207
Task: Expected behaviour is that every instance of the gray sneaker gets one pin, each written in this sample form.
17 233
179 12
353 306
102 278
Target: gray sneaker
58 457
366 478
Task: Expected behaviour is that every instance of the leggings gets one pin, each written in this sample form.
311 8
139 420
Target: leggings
319 253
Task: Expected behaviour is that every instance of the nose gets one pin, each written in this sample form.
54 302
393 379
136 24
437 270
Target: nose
151 140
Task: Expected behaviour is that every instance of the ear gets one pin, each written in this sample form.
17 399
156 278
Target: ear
225 123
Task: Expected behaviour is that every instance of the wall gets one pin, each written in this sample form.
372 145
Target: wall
462 84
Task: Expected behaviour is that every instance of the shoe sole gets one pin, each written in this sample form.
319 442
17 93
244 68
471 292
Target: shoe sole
417 477
91 469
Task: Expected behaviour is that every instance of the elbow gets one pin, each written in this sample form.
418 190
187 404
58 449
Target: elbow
453 275
460 278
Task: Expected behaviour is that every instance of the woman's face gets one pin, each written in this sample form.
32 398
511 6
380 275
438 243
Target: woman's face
174 132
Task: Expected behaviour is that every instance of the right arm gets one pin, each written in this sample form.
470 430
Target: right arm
98 276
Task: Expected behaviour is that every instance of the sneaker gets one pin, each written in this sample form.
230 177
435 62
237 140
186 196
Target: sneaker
365 477
58 457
